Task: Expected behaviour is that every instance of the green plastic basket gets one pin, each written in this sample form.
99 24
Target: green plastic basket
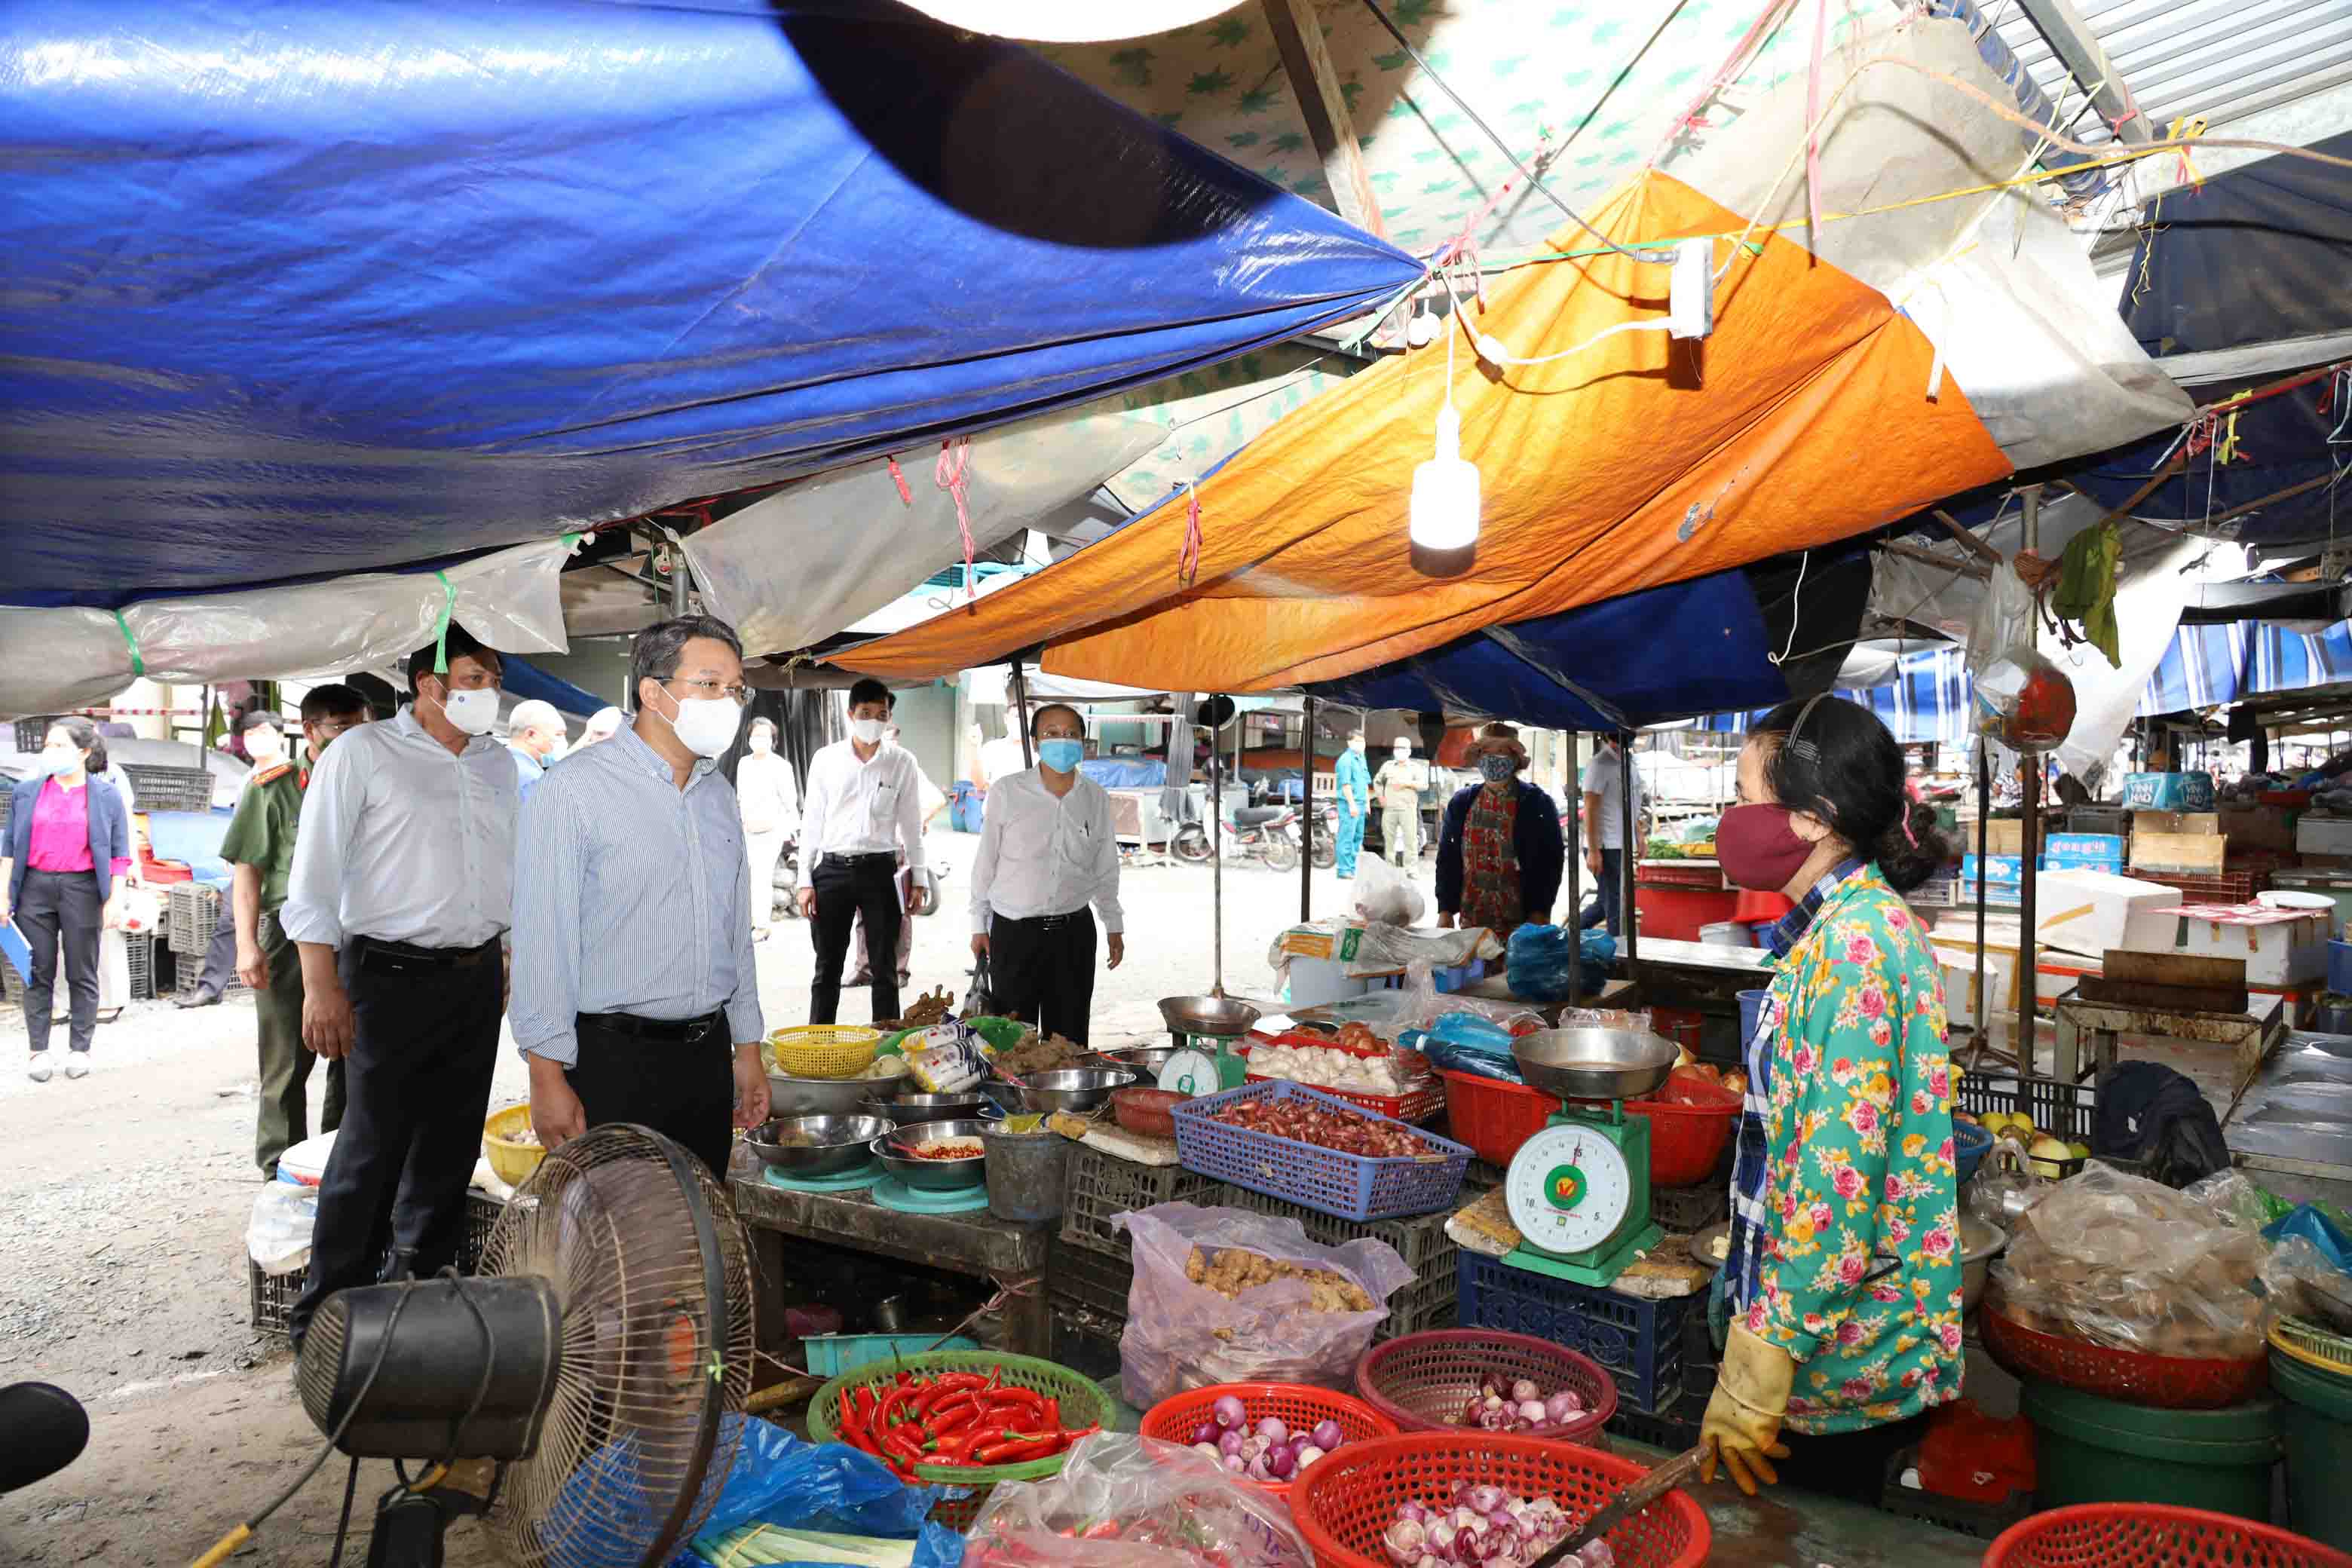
1083 1401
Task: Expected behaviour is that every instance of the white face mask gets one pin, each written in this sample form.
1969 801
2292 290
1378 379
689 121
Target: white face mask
1356 747
761 744
473 712
264 745
867 731
706 725
1403 755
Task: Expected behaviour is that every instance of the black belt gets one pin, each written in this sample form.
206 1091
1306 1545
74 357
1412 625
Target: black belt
833 858
408 953
666 1031
1042 922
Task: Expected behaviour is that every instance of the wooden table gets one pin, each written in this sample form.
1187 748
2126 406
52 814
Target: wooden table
1009 1255
2250 1037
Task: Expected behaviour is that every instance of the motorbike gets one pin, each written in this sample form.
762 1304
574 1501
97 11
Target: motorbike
1268 832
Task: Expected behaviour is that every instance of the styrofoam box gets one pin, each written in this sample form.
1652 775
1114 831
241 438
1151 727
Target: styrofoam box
2091 911
1317 982
1957 960
2280 947
2323 835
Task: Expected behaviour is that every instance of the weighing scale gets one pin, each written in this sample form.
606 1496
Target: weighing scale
1204 1028
1579 1191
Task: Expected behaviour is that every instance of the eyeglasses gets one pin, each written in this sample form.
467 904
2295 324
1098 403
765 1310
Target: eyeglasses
329 732
739 694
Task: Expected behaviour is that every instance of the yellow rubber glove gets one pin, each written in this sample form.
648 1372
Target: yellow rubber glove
1742 1424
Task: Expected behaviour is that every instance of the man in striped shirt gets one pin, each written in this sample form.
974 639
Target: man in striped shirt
635 998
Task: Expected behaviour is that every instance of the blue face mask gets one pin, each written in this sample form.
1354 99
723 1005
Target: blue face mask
1495 769
1062 756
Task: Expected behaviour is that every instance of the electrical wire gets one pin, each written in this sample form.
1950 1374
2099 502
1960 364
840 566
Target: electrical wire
1488 132
343 1519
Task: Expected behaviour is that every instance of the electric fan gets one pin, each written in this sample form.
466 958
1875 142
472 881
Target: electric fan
595 1369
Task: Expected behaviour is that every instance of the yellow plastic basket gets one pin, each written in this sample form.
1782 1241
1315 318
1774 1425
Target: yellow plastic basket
513 1160
823 1050
2314 1346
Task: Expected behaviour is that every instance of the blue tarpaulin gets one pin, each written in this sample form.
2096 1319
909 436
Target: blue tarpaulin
330 286
524 680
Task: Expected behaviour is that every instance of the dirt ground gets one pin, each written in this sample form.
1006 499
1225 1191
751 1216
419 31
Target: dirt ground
124 1199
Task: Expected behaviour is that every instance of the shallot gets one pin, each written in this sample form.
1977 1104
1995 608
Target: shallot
1267 1450
1485 1525
1517 1406
1228 1411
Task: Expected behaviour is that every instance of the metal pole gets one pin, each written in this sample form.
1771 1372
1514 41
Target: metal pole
1626 857
2029 857
1984 841
1575 921
1306 821
1217 861
1021 713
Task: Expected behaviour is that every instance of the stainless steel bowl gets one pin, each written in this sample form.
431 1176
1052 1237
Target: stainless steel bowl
1078 1090
1144 1061
1980 1242
789 1095
901 1111
1221 1016
835 1144
1594 1063
932 1175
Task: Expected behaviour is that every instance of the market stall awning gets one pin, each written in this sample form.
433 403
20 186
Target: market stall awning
328 287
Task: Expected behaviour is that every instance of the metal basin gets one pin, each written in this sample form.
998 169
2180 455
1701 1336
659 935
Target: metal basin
932 1175
1221 1017
904 1110
1144 1061
1078 1090
1594 1063
833 1143
1980 1242
789 1095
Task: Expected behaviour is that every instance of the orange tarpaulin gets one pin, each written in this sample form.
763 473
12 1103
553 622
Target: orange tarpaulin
1805 418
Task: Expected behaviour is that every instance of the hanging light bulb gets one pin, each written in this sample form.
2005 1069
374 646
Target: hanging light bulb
1445 528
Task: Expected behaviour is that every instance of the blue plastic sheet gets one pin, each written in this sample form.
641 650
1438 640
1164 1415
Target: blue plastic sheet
323 285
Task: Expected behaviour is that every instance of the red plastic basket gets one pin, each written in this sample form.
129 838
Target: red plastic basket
1421 1381
1295 1404
1348 1501
1686 1141
2170 1382
1494 1117
2152 1535
1416 1108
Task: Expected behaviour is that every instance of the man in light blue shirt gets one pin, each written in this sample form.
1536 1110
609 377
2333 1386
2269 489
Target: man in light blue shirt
635 998
535 737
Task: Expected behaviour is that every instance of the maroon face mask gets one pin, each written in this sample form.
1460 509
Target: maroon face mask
1756 848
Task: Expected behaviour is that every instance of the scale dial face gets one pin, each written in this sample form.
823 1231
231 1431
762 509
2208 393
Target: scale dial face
1569 1189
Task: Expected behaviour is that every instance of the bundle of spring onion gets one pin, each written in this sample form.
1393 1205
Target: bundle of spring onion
1270 1451
1486 1525
1519 1406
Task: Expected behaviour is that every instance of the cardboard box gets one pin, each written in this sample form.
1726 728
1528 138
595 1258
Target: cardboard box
2176 822
2178 854
1996 868
2004 835
2083 852
2258 828
2169 791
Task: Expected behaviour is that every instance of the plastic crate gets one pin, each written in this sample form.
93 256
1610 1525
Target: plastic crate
170 789
1427 1303
482 1212
1098 1281
828 1354
1936 893
271 1297
1640 1343
1349 1185
140 952
1417 1107
1686 1209
1982 1520
1100 1185
2223 888
188 971
1084 1343
32 733
2064 1110
190 915
1673 1429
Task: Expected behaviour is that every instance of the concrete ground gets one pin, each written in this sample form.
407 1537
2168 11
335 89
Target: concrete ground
124 1199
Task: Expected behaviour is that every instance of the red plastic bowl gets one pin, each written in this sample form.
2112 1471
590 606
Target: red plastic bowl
1144 1110
1421 1381
2151 1535
2170 1382
1347 1502
1295 1404
1686 1141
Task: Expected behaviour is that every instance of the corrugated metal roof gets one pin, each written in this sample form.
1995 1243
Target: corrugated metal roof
2222 60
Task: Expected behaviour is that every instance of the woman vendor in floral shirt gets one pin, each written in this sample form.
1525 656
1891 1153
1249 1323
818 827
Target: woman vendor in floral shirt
1842 1286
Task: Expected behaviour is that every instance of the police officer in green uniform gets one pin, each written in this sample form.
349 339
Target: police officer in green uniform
260 848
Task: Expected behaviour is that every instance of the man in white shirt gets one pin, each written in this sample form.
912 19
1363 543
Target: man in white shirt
770 804
1046 851
399 895
862 805
1397 786
1604 828
534 736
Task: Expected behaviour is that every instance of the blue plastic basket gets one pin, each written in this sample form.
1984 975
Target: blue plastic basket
1640 1343
1971 1144
832 1354
1346 1186
2339 966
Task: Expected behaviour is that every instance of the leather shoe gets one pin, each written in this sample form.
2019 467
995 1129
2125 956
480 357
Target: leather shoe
197 999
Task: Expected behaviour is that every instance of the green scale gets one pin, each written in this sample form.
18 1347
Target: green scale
1579 1191
1205 1028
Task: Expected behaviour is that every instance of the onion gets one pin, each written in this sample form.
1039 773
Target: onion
1417 1513
1327 1435
1228 1411
1206 1432
1255 1447
1280 1462
1493 1402
1532 1412
1307 1454
1562 1405
1259 1471
1272 1429
1211 1449
1599 1556
1485 1499
1441 1536
1524 1390
1230 1444
1404 1540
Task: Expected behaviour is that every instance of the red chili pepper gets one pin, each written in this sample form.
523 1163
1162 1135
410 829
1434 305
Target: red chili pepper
954 1421
1053 1413
1101 1530
1015 1449
955 1381
901 1447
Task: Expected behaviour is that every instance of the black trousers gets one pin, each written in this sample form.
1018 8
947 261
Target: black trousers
682 1089
62 917
1610 896
1042 971
847 887
1852 1464
425 1039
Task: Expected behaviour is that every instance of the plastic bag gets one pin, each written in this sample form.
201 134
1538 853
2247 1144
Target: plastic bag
278 1236
2303 1283
2021 701
2115 1259
1183 1335
1539 962
1385 949
1122 1501
1386 896
1424 1006
778 1479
